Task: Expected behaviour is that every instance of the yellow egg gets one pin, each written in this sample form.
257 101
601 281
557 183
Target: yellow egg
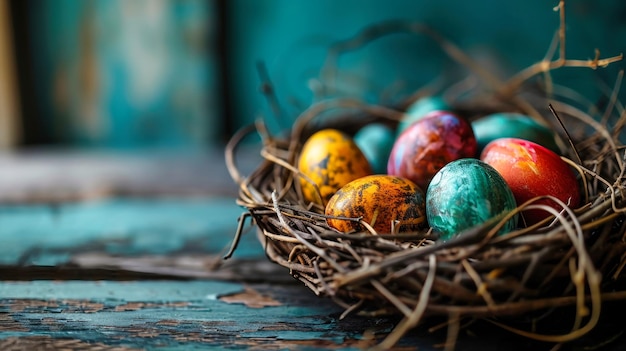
329 159
379 200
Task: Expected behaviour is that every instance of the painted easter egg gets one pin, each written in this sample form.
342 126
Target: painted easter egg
512 125
429 144
532 170
421 108
387 203
376 141
466 193
329 159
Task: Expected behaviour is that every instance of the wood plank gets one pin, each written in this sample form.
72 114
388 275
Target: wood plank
9 110
62 175
178 316
121 227
210 315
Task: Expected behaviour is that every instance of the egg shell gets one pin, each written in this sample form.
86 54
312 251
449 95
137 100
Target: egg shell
330 159
376 141
512 125
420 108
466 193
429 144
532 170
379 200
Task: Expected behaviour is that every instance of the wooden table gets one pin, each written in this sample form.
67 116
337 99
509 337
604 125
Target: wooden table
111 251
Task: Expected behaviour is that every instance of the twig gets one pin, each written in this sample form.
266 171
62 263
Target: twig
569 138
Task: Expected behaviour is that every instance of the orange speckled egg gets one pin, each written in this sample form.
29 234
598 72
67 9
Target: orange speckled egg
379 200
330 159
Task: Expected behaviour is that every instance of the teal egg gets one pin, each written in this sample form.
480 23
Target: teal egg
465 193
421 108
512 125
376 141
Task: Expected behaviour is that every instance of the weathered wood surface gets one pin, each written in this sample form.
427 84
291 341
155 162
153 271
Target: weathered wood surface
53 176
146 271
166 315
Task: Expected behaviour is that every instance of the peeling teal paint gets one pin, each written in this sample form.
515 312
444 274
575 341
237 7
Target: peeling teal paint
157 322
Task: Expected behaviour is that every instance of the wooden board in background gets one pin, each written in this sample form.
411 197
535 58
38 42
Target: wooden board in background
9 114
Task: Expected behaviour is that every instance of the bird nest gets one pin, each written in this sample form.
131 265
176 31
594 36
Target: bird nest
572 260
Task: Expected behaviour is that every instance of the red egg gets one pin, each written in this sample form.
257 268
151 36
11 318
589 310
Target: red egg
429 144
532 170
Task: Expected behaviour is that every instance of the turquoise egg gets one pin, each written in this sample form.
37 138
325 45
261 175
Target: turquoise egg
465 193
512 125
376 141
421 108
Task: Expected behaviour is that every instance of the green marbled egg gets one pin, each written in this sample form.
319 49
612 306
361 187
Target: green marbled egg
465 193
421 108
376 141
512 125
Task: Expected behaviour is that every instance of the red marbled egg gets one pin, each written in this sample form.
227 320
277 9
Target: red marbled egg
429 144
532 170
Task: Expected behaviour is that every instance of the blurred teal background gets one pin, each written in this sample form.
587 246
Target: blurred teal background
293 37
185 73
123 73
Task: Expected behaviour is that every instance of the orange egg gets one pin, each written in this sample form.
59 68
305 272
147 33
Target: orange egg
329 159
382 201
